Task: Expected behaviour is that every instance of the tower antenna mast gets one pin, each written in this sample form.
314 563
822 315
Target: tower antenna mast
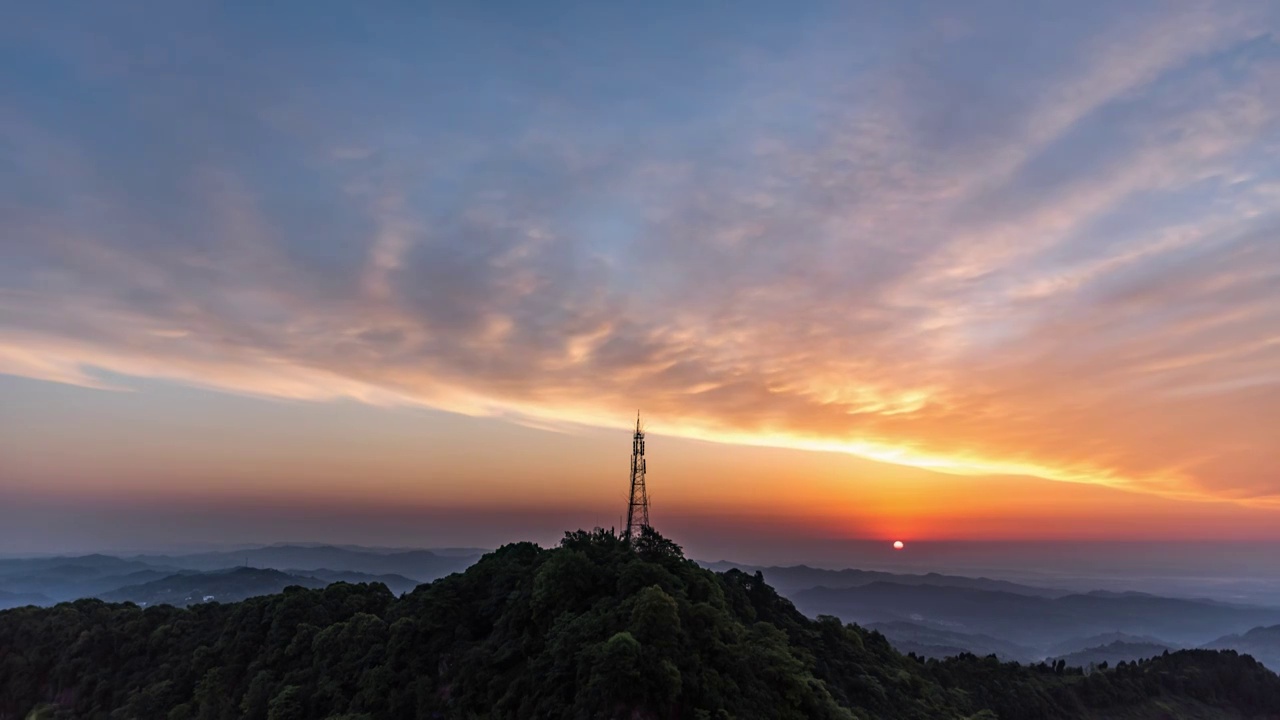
638 504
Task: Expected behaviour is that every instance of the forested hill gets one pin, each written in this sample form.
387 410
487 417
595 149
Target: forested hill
592 629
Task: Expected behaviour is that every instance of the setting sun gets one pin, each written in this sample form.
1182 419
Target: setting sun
897 545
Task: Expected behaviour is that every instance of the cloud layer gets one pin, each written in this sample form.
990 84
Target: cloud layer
987 240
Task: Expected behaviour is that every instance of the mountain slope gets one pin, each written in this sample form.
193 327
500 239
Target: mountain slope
592 629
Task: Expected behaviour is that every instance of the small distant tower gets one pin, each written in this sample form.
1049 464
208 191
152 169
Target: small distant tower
638 504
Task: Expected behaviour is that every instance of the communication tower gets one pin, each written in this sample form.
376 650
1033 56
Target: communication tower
638 504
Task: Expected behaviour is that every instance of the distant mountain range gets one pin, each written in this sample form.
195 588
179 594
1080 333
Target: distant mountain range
67 578
1263 643
421 565
189 588
20 599
1075 645
937 615
184 579
1035 622
397 584
1113 653
934 642
792 579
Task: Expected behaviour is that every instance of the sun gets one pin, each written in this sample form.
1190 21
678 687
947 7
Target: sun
898 545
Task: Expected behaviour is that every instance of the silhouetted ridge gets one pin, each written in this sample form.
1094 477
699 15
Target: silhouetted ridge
591 629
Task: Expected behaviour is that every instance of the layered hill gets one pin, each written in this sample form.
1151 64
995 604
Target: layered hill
1112 653
935 642
19 599
595 628
1036 622
1263 643
48 580
1074 645
421 565
231 585
795 578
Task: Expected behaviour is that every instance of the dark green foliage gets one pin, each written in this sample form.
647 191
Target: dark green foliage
592 629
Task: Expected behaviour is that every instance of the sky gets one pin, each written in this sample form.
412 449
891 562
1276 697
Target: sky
403 273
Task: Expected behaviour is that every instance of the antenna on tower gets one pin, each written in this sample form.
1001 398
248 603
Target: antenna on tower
638 504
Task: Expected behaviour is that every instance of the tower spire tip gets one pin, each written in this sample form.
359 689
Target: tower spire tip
638 503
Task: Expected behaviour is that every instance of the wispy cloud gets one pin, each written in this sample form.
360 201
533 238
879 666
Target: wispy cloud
915 247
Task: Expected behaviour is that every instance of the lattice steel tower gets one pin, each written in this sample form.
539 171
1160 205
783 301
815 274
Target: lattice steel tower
638 505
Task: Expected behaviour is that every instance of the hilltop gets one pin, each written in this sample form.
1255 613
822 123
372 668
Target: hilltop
591 629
